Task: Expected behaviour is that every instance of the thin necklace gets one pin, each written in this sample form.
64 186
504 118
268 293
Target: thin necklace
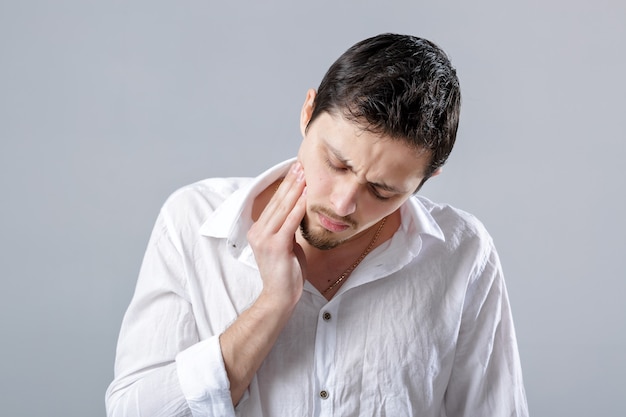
359 259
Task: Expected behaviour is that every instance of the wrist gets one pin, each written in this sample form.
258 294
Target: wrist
278 302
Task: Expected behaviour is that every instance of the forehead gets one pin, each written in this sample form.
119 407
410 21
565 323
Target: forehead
339 131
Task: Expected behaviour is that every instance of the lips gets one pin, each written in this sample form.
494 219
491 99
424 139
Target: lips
331 225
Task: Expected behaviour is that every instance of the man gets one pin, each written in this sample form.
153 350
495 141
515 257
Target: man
325 286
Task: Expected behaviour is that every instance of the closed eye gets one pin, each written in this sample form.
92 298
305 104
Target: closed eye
377 193
334 167
374 189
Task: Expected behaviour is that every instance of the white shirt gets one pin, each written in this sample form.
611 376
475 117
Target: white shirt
421 328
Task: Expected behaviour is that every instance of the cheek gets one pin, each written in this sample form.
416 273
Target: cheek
317 181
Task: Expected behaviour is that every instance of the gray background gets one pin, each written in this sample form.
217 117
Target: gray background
106 107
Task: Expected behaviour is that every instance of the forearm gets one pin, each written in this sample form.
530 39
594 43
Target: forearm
156 393
247 342
280 260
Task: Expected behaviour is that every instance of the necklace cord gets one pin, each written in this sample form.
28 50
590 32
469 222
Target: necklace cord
356 263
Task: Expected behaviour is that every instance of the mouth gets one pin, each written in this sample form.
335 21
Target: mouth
331 224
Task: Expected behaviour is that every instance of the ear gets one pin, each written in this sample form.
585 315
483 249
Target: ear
437 172
307 110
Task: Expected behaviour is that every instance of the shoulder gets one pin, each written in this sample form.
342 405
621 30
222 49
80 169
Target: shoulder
460 229
467 249
192 203
209 192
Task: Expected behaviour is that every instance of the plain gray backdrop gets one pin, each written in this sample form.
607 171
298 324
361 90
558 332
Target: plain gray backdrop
106 107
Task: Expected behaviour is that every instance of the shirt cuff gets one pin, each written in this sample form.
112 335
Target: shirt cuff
203 379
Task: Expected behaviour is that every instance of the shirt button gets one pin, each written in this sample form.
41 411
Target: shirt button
323 394
326 316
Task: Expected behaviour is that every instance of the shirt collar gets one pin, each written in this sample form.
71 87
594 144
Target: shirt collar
421 220
232 218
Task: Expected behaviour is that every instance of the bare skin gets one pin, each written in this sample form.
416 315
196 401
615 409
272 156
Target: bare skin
353 179
280 259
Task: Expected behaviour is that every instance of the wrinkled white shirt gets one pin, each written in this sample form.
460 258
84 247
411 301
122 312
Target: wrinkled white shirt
421 328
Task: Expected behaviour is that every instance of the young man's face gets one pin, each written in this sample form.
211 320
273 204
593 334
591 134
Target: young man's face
354 177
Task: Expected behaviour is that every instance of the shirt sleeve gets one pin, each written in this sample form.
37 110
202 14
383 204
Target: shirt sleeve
161 366
486 379
203 379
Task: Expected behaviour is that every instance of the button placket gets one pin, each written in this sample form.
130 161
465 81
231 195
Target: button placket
325 346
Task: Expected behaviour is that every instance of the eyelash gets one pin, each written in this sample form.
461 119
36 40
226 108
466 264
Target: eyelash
372 189
378 196
334 167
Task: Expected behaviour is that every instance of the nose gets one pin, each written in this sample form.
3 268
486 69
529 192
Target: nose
343 198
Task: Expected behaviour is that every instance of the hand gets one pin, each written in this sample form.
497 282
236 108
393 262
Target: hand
280 259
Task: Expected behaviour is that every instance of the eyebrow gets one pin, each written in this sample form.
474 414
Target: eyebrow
380 185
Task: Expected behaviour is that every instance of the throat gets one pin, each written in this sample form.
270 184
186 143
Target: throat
328 270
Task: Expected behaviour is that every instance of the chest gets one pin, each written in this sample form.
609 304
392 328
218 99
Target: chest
379 345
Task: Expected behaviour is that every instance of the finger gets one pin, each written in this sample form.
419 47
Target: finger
284 199
288 188
295 216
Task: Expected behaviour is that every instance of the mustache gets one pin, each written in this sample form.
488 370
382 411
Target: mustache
324 211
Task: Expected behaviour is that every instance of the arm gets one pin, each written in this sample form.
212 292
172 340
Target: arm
157 325
246 343
486 379
162 368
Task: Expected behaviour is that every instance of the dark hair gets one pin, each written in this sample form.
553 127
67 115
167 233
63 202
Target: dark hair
399 86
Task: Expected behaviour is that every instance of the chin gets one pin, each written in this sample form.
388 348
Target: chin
320 238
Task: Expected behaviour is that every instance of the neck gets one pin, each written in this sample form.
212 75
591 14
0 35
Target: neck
324 267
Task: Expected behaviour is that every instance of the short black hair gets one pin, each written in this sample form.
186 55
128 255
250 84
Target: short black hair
400 86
